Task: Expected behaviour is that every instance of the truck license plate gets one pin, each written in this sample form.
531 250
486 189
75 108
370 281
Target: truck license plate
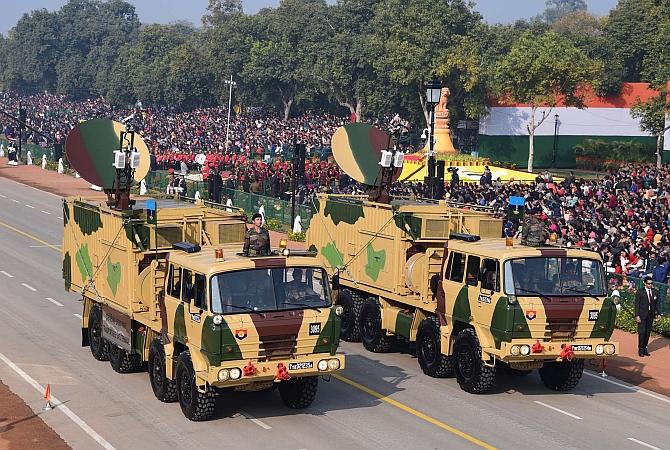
300 365
581 348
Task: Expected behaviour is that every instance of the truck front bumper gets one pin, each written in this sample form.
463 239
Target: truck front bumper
523 350
251 372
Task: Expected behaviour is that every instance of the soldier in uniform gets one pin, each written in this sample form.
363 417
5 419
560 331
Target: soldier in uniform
257 238
534 232
297 289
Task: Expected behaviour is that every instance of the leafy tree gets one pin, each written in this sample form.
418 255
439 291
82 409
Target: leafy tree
555 9
538 70
222 11
190 83
652 115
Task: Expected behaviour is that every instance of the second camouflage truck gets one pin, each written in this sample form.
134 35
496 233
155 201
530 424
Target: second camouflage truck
167 288
441 277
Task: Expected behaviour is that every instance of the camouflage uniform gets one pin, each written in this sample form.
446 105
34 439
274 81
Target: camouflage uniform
534 232
256 243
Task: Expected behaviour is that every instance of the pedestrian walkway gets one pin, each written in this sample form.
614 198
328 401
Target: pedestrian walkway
649 372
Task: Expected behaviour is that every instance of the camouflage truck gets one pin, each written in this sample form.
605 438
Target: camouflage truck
472 302
169 288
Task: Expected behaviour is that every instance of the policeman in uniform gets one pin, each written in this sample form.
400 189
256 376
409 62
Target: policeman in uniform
534 232
257 238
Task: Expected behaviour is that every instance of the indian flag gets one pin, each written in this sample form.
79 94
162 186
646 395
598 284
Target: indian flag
503 133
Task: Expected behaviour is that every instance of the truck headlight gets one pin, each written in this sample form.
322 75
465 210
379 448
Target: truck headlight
235 373
609 349
323 365
525 350
217 319
515 350
339 310
334 364
223 374
600 349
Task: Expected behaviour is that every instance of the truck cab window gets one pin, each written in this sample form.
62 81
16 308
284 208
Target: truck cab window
174 282
199 300
457 267
186 284
489 275
472 277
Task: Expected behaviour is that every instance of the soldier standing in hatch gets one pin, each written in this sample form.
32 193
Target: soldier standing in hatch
534 232
257 238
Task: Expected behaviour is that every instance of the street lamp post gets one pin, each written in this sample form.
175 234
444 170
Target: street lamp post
433 93
553 156
231 84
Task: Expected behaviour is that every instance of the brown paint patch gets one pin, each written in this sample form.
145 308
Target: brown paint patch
278 332
553 252
264 263
562 315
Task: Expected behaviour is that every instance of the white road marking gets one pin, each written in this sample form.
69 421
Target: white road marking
9 275
632 388
59 405
15 201
78 316
643 444
54 301
558 410
60 217
45 246
258 422
30 206
3 196
27 286
45 212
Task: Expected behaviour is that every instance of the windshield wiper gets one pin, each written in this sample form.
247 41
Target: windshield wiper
530 291
583 292
245 308
302 304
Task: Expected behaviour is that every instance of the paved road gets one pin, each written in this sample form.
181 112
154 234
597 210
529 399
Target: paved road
381 400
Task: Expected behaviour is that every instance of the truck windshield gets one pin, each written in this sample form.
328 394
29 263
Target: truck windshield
554 277
272 289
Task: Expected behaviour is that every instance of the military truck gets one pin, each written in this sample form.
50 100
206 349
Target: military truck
442 278
167 287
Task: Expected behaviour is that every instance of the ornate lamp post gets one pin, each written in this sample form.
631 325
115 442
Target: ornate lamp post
232 84
433 93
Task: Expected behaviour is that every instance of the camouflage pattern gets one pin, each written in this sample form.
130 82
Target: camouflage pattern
357 148
534 232
392 251
115 259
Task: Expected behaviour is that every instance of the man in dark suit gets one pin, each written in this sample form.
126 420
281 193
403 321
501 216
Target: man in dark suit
645 313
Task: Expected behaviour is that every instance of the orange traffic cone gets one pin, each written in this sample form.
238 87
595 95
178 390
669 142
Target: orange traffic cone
47 397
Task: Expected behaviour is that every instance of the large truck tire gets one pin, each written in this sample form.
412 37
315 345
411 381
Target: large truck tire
562 376
351 305
122 361
164 389
196 406
373 336
472 374
96 343
298 393
428 345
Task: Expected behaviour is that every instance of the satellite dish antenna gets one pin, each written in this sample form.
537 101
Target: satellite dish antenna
105 154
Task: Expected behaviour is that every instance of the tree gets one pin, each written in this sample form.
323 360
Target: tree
537 71
222 11
555 9
652 115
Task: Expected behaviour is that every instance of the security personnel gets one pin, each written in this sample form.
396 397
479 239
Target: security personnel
257 238
534 232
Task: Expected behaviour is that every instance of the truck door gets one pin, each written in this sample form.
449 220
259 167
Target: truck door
489 289
174 317
457 304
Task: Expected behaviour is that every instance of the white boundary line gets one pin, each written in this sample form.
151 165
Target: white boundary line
27 286
57 303
78 316
9 275
258 422
30 206
643 444
59 405
629 387
558 410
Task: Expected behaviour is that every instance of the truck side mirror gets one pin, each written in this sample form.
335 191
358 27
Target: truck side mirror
335 282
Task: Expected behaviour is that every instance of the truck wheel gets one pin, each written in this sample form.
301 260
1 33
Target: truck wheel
370 323
351 305
97 344
164 389
472 374
122 361
432 361
196 406
562 376
298 393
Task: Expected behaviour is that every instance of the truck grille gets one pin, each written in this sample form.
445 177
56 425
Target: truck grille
561 329
277 347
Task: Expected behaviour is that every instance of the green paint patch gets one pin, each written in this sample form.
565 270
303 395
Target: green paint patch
67 270
462 310
508 322
403 324
66 213
334 257
230 350
343 212
604 326
83 260
210 344
376 262
179 324
331 331
89 221
409 224
113 275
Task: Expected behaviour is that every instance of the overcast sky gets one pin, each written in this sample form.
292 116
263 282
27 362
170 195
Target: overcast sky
166 11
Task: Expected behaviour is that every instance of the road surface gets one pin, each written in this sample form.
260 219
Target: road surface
380 401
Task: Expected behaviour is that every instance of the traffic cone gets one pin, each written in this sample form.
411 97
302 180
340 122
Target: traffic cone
47 397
